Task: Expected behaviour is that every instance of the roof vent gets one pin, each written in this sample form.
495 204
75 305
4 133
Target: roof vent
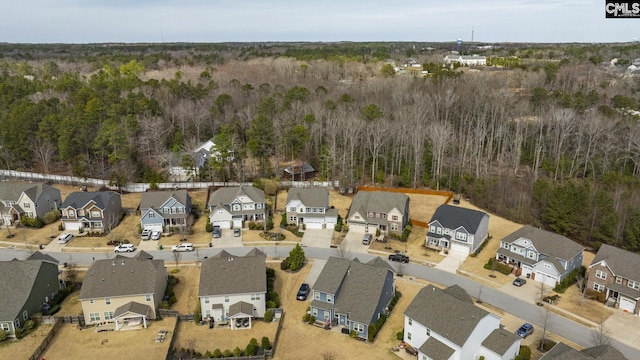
113 263
122 262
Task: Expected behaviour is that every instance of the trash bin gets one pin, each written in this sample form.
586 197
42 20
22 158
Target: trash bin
210 245
41 246
160 247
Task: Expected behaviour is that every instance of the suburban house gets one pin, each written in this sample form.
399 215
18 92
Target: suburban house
233 288
540 255
351 294
230 207
25 286
562 351
163 210
31 200
310 207
458 229
299 172
123 292
91 211
197 159
379 210
445 324
616 272
468 60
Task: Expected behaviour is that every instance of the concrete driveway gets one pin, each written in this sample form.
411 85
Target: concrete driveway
624 328
352 243
227 240
316 269
452 262
317 238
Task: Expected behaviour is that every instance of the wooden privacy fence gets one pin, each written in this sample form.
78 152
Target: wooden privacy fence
47 339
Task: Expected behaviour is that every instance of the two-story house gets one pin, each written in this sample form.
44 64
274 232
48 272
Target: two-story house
91 211
31 200
25 286
230 207
163 210
540 255
233 287
181 170
445 324
457 228
351 294
616 272
379 210
310 206
123 292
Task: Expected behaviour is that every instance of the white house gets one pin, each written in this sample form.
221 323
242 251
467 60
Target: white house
472 60
445 324
233 287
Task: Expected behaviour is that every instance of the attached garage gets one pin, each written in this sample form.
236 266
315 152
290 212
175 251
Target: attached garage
154 227
72 225
224 224
353 226
237 223
459 248
546 279
627 304
313 223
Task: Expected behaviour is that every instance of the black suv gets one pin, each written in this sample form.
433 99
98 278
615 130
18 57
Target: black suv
399 257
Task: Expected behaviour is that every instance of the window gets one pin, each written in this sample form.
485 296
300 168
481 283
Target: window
226 299
531 255
107 301
292 209
329 298
505 245
408 336
255 296
378 215
5 327
26 205
439 231
151 215
634 284
16 323
394 227
432 228
314 312
148 297
108 315
206 300
326 315
95 213
293 219
601 274
94 317
618 280
428 332
25 315
461 236
394 217
72 213
598 287
91 301
308 210
410 321
358 327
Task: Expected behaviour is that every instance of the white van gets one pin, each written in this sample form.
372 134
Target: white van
367 239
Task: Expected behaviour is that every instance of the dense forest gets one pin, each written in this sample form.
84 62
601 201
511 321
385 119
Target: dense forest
546 134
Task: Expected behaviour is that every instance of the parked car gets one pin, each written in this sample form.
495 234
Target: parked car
366 240
399 258
303 292
236 232
182 247
146 234
217 232
519 282
525 330
64 238
156 235
124 248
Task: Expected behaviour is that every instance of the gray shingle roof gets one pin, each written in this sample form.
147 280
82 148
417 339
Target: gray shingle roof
622 262
445 314
42 256
436 350
378 202
122 276
312 197
133 307
12 190
563 351
155 199
500 340
79 199
378 261
226 274
452 217
361 291
331 276
546 242
240 307
604 352
226 195
17 281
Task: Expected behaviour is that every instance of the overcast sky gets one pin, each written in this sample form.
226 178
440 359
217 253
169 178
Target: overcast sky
92 21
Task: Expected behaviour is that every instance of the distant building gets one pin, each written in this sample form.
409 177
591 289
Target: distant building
468 60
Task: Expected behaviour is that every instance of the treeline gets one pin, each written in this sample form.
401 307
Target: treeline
551 143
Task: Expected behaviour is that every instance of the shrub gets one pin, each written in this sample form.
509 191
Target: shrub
284 265
208 227
570 279
237 352
598 296
266 345
296 258
524 354
283 221
18 333
60 227
54 309
400 335
252 347
31 222
338 226
312 319
217 354
305 317
52 216
500 267
3 335
353 334
268 316
269 224
227 353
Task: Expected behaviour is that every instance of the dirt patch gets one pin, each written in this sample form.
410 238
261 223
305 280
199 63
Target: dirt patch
72 343
186 291
24 348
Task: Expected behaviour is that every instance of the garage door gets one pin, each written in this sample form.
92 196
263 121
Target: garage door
313 225
224 224
546 279
356 227
154 227
71 226
627 304
459 248
237 224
